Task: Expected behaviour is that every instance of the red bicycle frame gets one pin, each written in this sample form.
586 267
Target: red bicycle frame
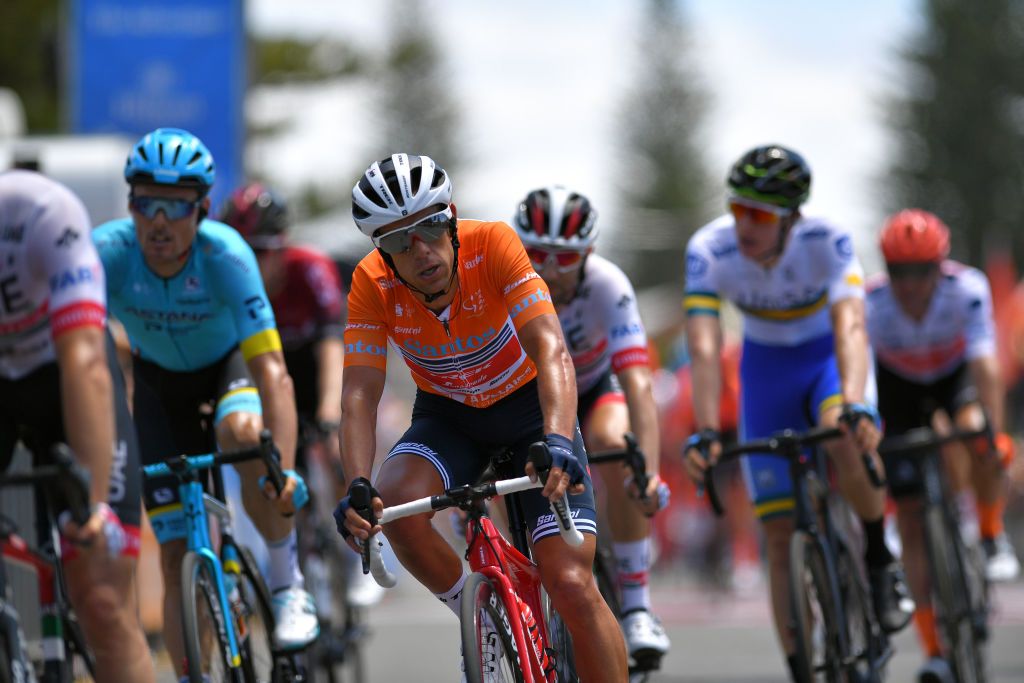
513 575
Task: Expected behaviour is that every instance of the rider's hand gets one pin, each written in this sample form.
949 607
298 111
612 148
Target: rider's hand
566 473
350 524
701 451
657 495
861 423
283 501
102 531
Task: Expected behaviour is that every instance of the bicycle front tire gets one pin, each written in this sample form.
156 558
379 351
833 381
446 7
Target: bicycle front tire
953 598
488 650
204 625
254 622
812 608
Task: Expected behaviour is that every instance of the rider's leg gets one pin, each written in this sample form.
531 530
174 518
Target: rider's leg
418 546
102 591
915 561
630 529
777 532
566 573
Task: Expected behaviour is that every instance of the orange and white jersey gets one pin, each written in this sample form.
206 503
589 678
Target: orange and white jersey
470 352
958 326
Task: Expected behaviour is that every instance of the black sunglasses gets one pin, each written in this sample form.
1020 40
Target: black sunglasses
174 209
919 271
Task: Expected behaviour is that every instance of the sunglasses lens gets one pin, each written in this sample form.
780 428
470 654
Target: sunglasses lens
755 214
566 259
899 271
537 256
174 209
398 241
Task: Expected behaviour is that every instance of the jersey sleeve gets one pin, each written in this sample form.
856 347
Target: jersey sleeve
701 295
846 275
237 278
627 339
325 284
62 248
980 328
526 295
366 336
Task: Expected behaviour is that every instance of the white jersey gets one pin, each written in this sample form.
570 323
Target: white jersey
51 279
787 304
957 327
601 325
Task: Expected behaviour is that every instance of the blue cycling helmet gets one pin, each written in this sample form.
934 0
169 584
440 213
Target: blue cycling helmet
170 156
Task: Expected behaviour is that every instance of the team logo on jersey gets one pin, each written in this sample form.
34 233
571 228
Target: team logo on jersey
844 247
192 283
67 238
12 233
399 311
696 265
474 303
626 300
475 261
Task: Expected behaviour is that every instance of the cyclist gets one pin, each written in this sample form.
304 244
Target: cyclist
475 325
805 359
931 327
306 295
601 324
59 382
188 292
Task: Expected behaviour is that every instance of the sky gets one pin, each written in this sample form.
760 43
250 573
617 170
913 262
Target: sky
541 82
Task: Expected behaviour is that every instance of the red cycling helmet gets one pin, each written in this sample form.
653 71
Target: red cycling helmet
258 214
914 236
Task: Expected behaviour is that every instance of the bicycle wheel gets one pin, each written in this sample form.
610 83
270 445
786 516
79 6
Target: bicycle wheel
254 622
606 574
862 632
206 641
952 597
812 607
488 649
561 646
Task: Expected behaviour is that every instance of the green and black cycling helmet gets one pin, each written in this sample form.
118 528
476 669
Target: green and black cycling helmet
771 174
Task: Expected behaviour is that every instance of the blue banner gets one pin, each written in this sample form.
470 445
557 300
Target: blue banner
136 65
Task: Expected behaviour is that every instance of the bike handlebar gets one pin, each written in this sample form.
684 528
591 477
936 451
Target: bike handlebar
465 497
923 440
632 457
181 466
69 480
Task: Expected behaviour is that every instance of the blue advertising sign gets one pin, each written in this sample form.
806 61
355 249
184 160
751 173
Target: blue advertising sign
136 65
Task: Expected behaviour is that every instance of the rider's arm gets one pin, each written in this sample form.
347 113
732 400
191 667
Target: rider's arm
360 396
704 341
87 400
277 395
556 378
643 412
851 344
329 358
985 373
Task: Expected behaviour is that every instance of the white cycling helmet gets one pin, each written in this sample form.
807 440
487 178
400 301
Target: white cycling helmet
556 217
396 187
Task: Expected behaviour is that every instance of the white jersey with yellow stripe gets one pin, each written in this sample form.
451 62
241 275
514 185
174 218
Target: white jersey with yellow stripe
786 304
957 327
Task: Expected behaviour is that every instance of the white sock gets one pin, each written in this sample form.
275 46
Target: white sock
634 562
284 563
452 598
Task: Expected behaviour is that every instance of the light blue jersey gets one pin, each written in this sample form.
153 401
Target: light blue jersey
183 323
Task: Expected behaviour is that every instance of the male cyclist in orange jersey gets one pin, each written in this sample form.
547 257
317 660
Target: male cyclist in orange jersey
931 327
601 323
476 327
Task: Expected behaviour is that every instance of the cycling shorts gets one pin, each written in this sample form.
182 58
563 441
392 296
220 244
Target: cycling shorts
606 390
458 440
782 387
31 411
169 414
906 405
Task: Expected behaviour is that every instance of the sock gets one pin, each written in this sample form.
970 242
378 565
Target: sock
452 598
876 553
634 562
284 563
990 518
924 620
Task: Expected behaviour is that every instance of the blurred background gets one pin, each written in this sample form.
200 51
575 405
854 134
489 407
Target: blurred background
640 104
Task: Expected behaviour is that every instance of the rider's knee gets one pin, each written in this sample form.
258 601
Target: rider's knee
408 531
239 430
570 587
